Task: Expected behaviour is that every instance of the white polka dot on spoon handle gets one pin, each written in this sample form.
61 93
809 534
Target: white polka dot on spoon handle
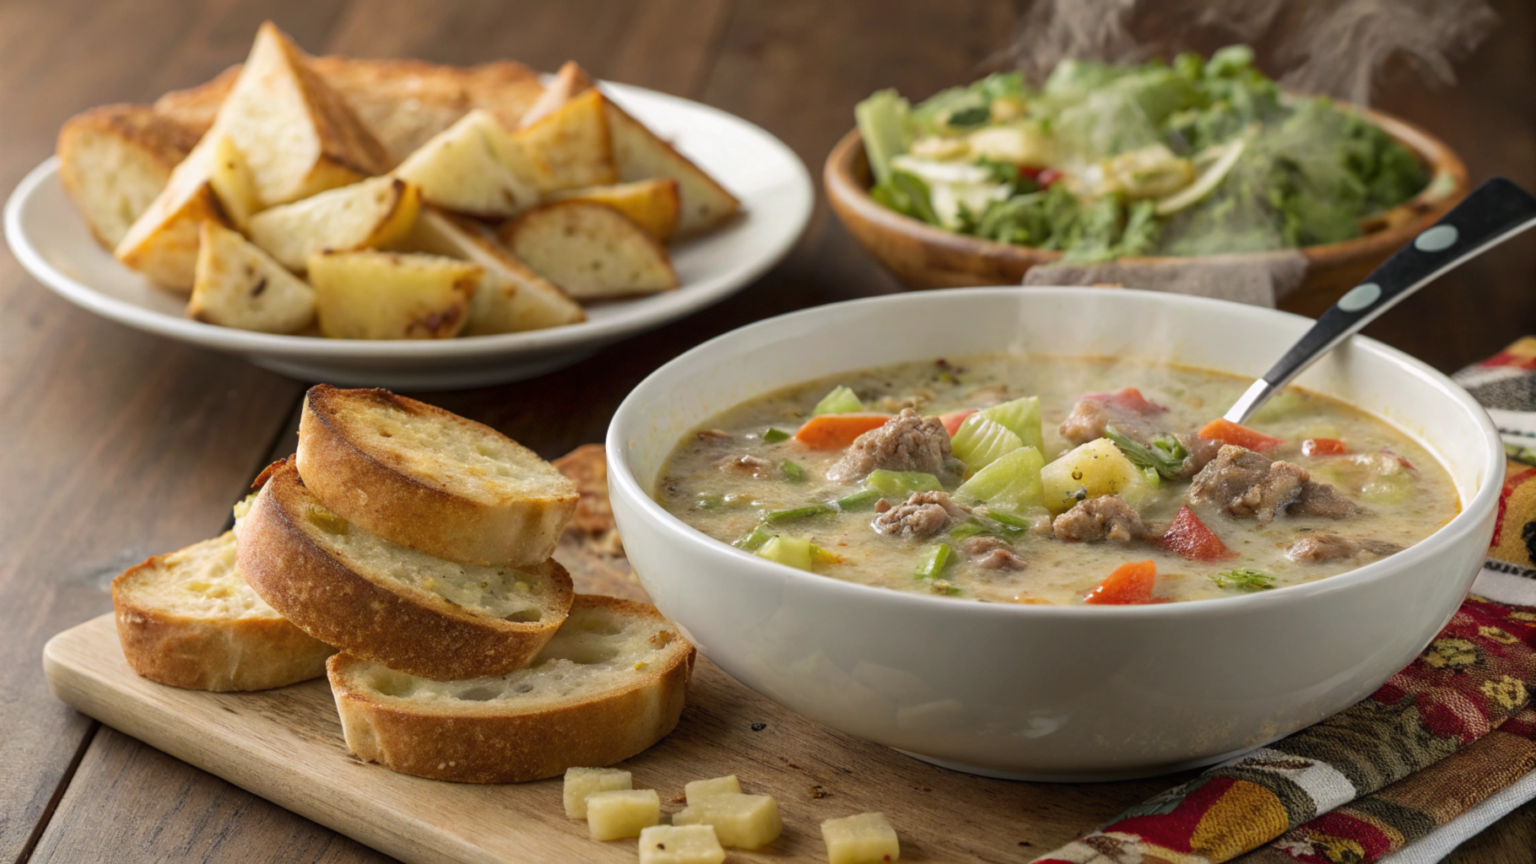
1493 213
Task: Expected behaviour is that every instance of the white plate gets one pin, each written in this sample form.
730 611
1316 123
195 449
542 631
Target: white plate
52 241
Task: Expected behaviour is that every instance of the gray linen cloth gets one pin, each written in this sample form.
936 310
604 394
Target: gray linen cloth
1259 280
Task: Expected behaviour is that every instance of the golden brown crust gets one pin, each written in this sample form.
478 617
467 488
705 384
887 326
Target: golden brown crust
476 744
402 102
368 489
219 655
587 467
403 629
99 190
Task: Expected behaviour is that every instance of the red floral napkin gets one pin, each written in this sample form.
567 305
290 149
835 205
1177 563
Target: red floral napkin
1444 748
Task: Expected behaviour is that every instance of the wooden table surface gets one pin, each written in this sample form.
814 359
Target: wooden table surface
115 445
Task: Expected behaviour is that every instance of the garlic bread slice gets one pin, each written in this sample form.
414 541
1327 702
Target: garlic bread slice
653 204
114 160
298 135
611 683
367 294
511 297
188 619
238 285
640 155
472 167
392 604
367 214
569 148
430 479
591 250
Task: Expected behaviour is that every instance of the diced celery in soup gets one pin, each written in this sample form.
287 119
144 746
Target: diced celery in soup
1027 479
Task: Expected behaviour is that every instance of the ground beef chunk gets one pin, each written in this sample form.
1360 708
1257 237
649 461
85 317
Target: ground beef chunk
1104 518
1244 483
1201 452
923 515
1128 411
1323 546
907 442
992 553
755 466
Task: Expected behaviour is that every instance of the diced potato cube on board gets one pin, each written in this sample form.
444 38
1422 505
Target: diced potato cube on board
581 782
680 844
621 813
740 821
698 790
863 839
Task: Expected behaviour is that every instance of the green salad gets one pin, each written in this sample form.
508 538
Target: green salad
1193 157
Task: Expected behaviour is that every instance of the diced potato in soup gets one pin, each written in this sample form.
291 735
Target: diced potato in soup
1031 479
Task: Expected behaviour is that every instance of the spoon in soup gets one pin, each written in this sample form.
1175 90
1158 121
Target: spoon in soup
1493 213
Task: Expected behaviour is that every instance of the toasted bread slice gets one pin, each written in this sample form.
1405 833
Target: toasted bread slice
391 295
368 214
240 286
473 167
591 250
611 683
114 160
511 297
430 479
298 134
640 155
402 102
571 81
382 601
188 619
653 204
570 148
162 242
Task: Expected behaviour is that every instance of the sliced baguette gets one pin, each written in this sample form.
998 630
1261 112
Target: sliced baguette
430 479
510 297
188 619
238 285
114 160
591 250
609 685
382 601
365 215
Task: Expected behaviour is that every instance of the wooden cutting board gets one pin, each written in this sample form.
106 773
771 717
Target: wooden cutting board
286 746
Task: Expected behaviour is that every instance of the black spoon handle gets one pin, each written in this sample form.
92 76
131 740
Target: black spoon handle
1493 213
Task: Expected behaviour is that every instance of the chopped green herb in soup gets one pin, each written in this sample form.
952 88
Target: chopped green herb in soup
1011 478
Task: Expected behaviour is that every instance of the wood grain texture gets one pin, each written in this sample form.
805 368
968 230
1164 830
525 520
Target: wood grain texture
119 445
286 746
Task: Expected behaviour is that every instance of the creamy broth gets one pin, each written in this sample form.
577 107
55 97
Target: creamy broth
1397 492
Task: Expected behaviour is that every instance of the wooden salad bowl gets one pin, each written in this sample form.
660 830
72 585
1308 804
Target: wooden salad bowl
922 256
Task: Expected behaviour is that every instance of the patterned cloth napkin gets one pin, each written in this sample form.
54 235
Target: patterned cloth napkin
1442 750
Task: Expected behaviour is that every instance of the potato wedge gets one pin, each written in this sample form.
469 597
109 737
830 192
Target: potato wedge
511 297
653 204
591 250
369 214
238 285
472 167
570 147
640 155
297 134
114 161
402 102
571 81
162 242
233 183
369 294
